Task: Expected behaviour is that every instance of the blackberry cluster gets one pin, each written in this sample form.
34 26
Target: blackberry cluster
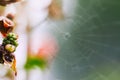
11 38
5 56
9 43
7 48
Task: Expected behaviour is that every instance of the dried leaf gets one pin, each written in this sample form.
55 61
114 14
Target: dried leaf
55 10
6 25
14 67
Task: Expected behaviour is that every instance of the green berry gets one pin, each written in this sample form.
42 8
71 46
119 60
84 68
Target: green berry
7 42
8 37
4 40
13 35
15 43
11 39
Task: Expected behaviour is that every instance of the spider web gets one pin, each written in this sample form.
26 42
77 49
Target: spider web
89 42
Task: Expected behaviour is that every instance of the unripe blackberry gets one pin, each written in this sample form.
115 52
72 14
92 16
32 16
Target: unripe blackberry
10 48
12 35
11 38
7 42
15 43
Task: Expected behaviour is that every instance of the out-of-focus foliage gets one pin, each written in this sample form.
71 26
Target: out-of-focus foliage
33 62
45 55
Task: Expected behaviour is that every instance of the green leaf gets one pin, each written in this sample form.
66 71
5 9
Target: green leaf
33 62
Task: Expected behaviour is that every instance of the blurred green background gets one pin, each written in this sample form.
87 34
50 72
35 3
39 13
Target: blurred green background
90 50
